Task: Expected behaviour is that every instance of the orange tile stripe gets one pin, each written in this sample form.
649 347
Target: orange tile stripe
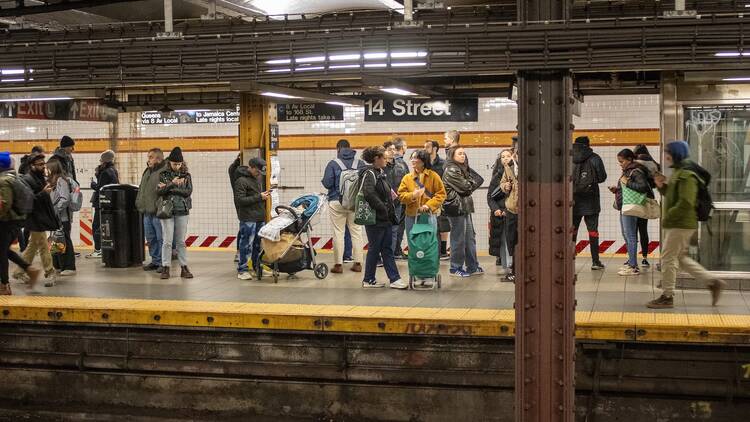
478 139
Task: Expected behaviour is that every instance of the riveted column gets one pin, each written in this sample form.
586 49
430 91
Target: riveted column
256 117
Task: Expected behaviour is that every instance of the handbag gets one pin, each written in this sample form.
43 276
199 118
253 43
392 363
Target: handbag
650 209
56 242
453 205
165 209
635 203
364 215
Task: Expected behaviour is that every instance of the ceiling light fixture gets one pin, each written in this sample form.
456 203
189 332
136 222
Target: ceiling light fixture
279 70
12 71
408 64
397 91
277 95
344 66
279 61
310 59
303 69
732 54
376 64
341 57
19 100
369 56
408 55
13 80
737 79
337 103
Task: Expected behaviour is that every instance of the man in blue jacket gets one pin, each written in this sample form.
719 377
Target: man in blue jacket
341 218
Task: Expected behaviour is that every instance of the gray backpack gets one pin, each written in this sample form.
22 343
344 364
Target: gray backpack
348 183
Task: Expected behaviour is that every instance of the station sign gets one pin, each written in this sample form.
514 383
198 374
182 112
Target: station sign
379 109
87 110
190 116
308 112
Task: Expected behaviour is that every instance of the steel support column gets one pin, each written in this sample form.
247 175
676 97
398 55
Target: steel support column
545 295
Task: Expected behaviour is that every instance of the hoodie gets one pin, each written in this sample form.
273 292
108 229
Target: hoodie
67 162
332 173
249 204
588 203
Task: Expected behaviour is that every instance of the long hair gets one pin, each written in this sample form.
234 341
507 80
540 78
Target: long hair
55 171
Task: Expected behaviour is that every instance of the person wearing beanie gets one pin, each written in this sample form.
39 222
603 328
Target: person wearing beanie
10 221
105 174
64 154
679 223
250 203
588 173
175 189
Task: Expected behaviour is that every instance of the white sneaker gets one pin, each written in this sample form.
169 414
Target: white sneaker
95 254
629 271
399 284
372 284
245 276
66 273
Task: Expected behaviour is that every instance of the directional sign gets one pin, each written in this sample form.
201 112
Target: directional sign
309 112
89 110
421 110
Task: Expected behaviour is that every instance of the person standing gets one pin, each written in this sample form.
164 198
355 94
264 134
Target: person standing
679 223
379 195
634 177
510 186
644 158
496 202
250 202
146 201
460 182
401 169
444 225
422 190
64 155
342 218
105 174
175 185
588 173
61 184
40 221
451 139
10 220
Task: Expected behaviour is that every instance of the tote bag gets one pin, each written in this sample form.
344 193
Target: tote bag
636 204
364 215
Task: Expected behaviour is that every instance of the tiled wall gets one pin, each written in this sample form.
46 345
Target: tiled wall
301 170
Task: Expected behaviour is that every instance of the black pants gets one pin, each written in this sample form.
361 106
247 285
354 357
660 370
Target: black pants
8 233
643 235
511 237
67 260
23 239
592 225
96 228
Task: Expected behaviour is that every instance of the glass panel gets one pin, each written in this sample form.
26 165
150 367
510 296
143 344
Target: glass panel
719 139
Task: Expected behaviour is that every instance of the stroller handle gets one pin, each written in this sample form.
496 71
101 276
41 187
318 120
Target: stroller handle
287 208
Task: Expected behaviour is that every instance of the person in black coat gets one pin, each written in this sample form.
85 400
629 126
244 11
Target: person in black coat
588 173
105 174
644 158
378 194
496 201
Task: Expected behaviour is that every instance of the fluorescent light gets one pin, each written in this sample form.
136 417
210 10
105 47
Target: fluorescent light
13 80
279 61
337 103
277 95
732 54
12 71
344 66
302 69
408 64
376 64
310 59
279 70
408 55
397 91
737 79
191 111
375 55
19 100
341 57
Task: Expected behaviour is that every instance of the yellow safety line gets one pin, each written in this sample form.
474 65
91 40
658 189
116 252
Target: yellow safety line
631 326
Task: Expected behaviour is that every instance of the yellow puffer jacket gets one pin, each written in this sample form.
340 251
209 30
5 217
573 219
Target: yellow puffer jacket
432 183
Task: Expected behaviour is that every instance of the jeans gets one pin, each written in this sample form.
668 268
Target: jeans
347 244
643 236
96 228
8 232
592 225
398 230
674 249
66 260
630 233
174 230
341 219
380 246
247 244
152 232
38 244
463 244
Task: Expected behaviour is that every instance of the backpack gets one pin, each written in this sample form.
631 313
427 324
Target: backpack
348 184
23 195
76 197
704 204
585 177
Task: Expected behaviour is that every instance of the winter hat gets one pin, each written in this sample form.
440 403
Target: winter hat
66 141
5 161
583 140
34 157
108 156
259 164
679 150
176 155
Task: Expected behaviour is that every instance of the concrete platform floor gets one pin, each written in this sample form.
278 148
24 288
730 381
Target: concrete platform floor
216 280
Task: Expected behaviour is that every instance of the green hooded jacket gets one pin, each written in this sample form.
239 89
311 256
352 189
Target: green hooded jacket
679 198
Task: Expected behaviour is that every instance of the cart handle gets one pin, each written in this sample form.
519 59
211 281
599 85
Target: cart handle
287 208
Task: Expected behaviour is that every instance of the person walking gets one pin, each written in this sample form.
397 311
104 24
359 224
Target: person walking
679 223
147 202
23 169
460 182
634 177
105 174
60 181
510 186
644 158
422 190
40 221
588 173
496 201
10 220
250 202
175 186
342 218
444 225
379 195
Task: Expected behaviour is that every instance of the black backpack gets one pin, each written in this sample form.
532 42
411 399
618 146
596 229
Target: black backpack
704 205
585 177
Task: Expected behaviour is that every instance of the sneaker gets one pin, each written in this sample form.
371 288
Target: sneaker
95 254
5 290
348 260
662 302
596 266
77 254
645 263
50 281
67 273
21 277
399 284
151 267
716 287
460 273
478 271
372 284
510 278
337 269
380 264
629 271
245 276
444 257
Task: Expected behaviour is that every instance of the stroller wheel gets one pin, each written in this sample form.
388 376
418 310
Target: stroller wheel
321 271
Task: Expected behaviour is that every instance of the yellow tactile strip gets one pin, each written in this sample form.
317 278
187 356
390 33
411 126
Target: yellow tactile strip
656 327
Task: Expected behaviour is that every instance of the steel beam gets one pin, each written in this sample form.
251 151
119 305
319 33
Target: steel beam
48 7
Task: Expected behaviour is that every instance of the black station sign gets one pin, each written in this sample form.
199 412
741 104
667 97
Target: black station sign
190 116
308 112
421 110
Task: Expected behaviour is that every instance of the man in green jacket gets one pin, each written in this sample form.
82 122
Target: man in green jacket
146 202
679 223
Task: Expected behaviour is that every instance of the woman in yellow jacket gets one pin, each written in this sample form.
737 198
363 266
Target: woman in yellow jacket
422 190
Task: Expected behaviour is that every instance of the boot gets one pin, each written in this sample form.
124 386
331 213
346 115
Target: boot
164 272
186 272
5 289
357 267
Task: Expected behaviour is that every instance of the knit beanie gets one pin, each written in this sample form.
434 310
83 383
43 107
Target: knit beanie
108 156
679 150
5 161
176 155
66 141
583 140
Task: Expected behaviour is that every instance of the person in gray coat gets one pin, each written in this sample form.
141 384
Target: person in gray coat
146 203
65 262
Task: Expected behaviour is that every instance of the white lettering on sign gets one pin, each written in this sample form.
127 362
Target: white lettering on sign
402 107
376 107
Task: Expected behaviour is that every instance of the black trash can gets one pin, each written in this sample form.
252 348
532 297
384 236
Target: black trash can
121 226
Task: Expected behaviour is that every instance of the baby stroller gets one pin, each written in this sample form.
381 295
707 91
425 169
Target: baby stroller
424 254
282 246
